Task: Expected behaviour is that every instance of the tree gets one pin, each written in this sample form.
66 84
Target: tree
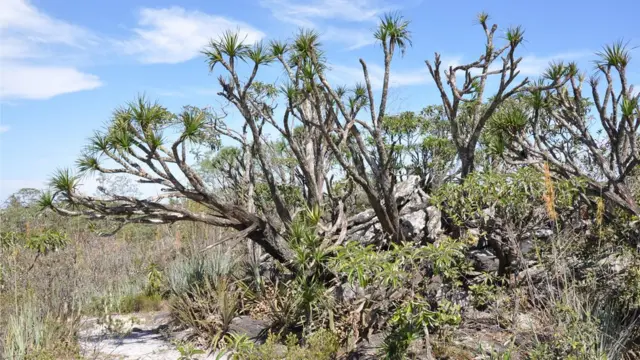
319 123
465 106
595 139
421 144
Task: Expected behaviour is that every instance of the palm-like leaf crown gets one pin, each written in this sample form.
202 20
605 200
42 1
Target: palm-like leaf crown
617 55
304 48
230 44
64 181
393 31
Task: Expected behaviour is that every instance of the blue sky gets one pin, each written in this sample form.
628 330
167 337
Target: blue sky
66 64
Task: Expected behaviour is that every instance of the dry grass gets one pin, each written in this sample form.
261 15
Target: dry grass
90 275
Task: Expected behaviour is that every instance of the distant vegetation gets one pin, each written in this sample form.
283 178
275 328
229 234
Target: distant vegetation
500 223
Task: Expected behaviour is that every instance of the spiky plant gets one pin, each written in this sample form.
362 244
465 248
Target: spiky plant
278 48
259 54
393 31
229 44
87 163
515 35
617 55
46 200
64 181
305 47
483 17
193 120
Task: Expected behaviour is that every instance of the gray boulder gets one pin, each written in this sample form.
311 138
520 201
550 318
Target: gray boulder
419 220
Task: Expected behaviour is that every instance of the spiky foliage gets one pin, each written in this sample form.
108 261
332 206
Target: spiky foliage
617 55
87 163
278 48
193 120
393 31
306 46
229 44
64 181
483 17
515 35
46 200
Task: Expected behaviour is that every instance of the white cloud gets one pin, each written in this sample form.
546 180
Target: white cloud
32 41
324 14
351 38
43 82
532 65
305 13
174 35
25 25
4 128
351 75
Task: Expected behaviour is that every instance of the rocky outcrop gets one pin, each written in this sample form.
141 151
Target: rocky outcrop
419 219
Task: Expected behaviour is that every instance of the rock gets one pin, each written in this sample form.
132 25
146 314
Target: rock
347 292
406 189
434 223
526 322
369 348
414 225
253 328
616 263
417 219
483 260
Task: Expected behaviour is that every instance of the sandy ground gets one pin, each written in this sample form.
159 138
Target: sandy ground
136 336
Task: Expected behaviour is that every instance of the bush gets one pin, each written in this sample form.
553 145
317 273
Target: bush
193 270
320 345
204 295
32 334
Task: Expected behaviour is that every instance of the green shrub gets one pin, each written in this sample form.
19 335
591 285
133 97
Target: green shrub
207 308
188 272
320 345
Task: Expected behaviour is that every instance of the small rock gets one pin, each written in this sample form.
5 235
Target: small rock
369 348
526 322
484 260
253 328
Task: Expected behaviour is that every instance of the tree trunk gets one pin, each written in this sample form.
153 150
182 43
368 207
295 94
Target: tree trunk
622 196
467 158
273 243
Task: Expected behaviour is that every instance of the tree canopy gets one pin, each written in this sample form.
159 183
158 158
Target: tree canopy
339 148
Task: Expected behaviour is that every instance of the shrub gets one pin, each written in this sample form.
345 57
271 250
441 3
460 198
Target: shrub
320 345
33 334
191 271
204 294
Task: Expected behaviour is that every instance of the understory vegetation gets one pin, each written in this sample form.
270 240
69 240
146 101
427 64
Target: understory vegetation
502 223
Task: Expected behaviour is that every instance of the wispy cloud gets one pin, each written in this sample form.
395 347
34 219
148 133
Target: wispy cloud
44 82
4 128
306 13
25 26
532 65
331 17
173 35
351 38
347 75
31 40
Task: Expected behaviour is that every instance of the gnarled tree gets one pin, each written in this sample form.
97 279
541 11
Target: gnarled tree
146 141
595 139
465 105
